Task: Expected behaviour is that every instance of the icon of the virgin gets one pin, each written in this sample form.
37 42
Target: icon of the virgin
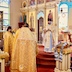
50 17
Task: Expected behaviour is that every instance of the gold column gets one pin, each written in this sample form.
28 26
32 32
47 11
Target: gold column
45 13
36 22
57 23
28 11
28 16
45 17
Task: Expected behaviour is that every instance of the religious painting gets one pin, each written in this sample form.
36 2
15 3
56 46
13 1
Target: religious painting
49 0
40 1
24 18
31 21
50 17
32 2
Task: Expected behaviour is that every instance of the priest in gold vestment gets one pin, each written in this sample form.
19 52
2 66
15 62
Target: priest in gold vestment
8 42
24 51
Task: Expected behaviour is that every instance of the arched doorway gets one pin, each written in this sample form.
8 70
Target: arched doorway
40 28
40 19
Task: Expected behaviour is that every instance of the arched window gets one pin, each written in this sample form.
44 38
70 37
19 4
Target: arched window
5 8
63 17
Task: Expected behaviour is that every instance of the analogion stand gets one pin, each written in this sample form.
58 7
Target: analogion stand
64 65
2 61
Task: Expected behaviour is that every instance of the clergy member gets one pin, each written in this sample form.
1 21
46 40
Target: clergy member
24 51
49 38
8 42
49 42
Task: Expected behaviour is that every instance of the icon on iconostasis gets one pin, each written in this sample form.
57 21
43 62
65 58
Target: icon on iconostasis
31 21
49 0
32 2
50 17
40 1
24 18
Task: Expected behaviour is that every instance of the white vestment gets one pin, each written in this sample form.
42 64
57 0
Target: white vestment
48 39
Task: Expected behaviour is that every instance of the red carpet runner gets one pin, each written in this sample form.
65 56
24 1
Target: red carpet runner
45 61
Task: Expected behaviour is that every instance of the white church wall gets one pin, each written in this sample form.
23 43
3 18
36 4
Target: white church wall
15 6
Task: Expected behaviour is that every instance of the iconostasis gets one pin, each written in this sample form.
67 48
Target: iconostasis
39 13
